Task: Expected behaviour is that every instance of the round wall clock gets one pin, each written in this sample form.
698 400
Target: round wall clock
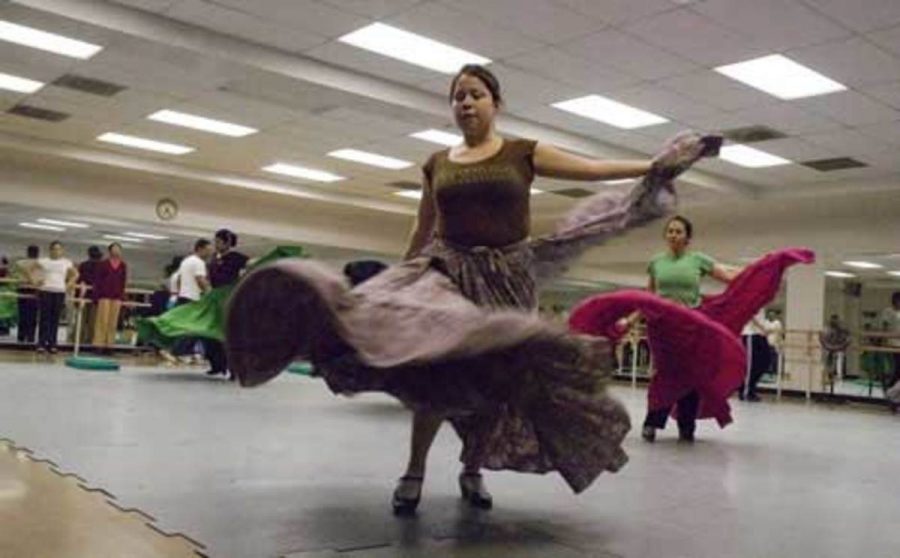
166 209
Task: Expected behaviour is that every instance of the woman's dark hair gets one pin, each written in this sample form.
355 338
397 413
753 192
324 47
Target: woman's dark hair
32 251
173 265
56 243
110 247
201 244
94 252
362 270
688 226
227 236
487 78
895 298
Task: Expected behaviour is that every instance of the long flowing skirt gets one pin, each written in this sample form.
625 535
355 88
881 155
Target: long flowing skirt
453 332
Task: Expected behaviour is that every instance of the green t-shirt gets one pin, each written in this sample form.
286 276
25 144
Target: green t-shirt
678 278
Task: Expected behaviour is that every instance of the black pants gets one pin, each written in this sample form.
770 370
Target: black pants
51 305
184 345
28 316
688 406
760 355
215 353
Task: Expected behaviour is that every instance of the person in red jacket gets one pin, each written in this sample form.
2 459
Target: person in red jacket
108 294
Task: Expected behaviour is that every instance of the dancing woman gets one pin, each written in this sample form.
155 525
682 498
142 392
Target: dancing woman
450 331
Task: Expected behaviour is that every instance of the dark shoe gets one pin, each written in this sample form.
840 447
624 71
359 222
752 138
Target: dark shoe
214 372
649 434
753 398
686 436
402 503
471 487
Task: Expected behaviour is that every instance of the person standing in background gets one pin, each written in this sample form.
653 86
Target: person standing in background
87 272
28 272
192 283
60 277
224 269
890 323
108 294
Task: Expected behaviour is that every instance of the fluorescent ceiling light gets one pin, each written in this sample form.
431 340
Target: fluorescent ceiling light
142 143
41 227
122 238
750 157
438 137
42 40
148 236
619 181
863 265
58 223
411 194
610 112
417 194
840 274
19 84
302 172
782 77
201 123
411 48
373 159
894 273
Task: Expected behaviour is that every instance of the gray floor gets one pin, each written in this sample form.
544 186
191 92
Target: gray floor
288 469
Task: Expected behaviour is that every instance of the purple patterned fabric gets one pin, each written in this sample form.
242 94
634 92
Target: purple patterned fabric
453 332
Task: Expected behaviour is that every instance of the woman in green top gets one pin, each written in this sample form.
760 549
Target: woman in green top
676 274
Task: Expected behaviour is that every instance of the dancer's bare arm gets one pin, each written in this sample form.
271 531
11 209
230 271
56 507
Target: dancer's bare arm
724 273
424 223
553 162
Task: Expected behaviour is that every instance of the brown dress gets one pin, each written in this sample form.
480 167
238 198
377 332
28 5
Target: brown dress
453 331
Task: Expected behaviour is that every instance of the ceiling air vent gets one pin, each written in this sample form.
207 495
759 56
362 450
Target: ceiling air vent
751 134
406 185
573 192
89 85
36 113
838 163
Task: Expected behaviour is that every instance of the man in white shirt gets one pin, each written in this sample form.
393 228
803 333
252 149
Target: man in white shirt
759 354
59 277
193 283
193 279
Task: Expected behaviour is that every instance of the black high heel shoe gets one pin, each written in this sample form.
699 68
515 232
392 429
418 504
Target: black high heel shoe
404 505
473 491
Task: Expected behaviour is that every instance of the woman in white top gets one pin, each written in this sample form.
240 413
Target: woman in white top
59 278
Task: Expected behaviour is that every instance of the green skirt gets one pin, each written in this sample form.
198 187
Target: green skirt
204 318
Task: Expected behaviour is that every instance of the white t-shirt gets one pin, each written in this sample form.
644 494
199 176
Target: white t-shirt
191 268
752 329
55 272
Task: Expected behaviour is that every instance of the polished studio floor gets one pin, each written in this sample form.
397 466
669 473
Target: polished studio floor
290 470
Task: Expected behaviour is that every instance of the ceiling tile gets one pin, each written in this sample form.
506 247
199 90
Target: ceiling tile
847 142
628 54
694 37
618 11
371 63
239 24
716 90
851 108
148 5
888 93
540 19
854 62
888 39
795 25
560 65
795 149
860 15
787 117
655 98
300 16
886 131
440 22
375 9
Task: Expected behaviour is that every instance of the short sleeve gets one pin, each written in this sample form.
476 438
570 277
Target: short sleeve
199 268
525 153
428 167
651 267
705 263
